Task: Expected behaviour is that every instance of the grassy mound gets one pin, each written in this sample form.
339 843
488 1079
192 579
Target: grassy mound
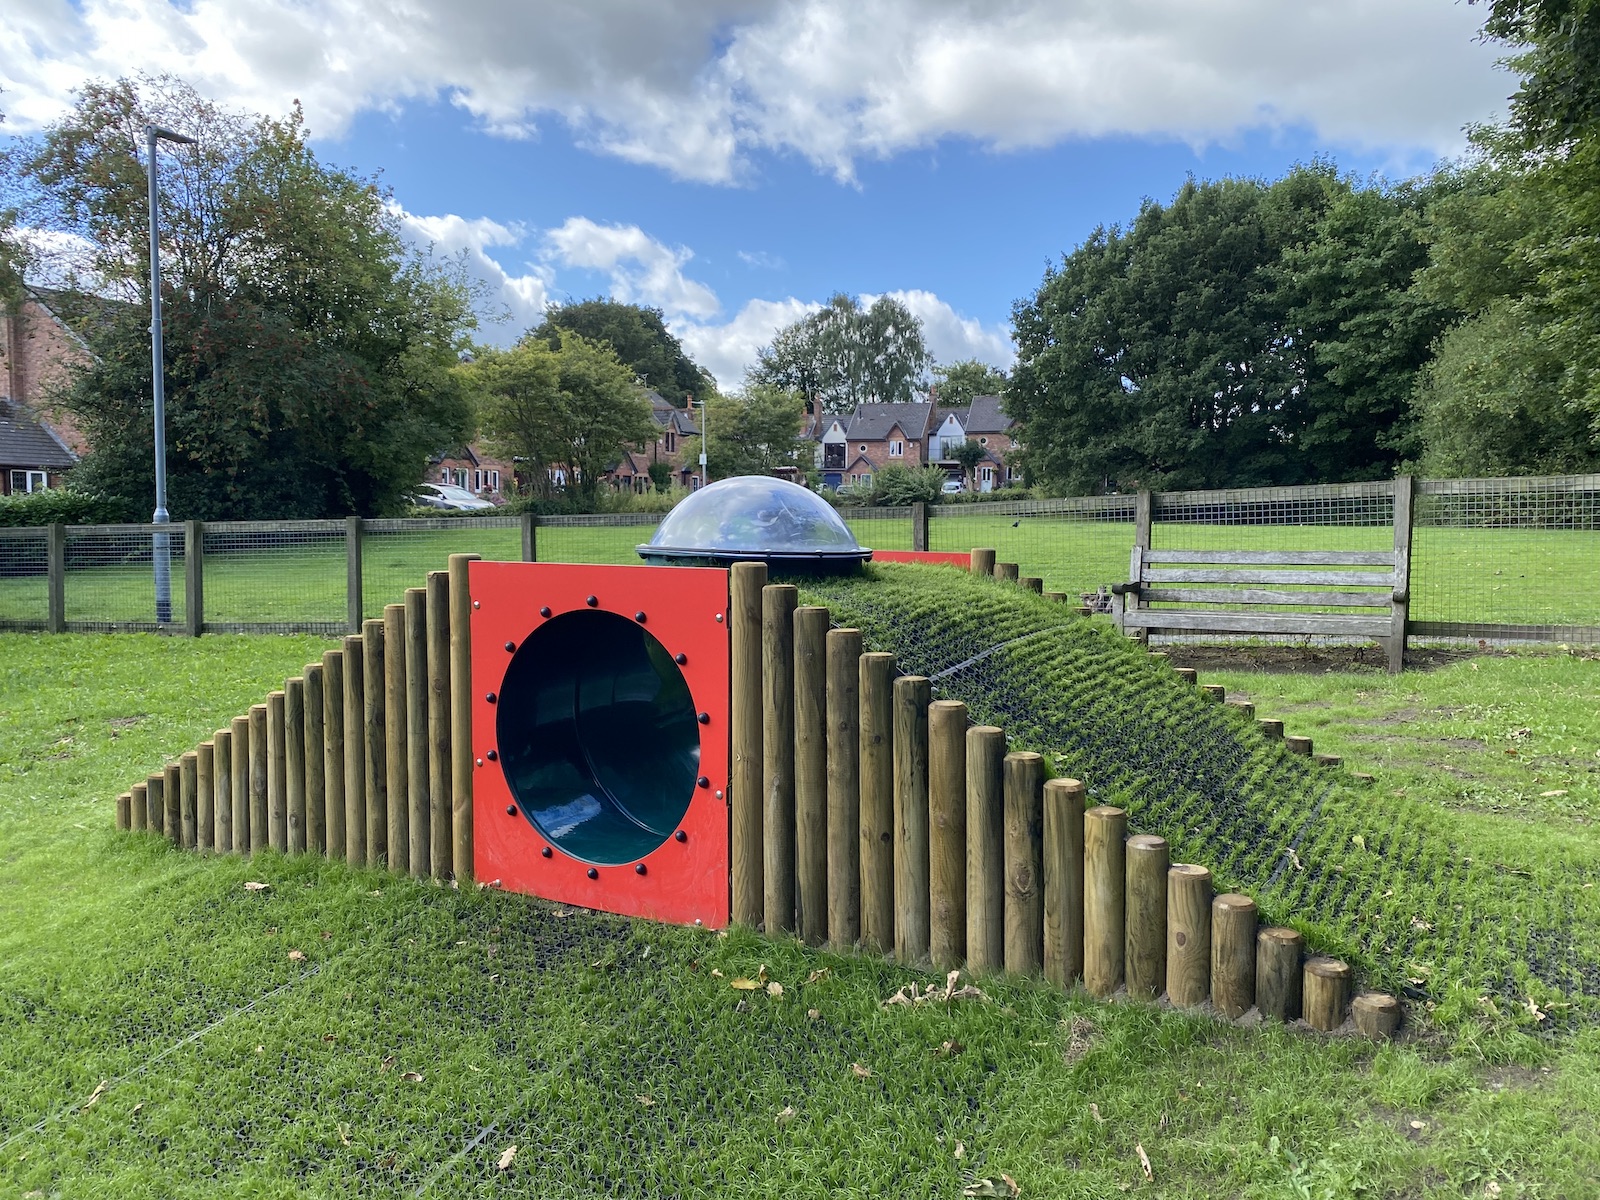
1430 903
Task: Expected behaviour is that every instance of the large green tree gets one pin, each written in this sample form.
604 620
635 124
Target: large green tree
639 337
263 246
843 355
752 433
956 384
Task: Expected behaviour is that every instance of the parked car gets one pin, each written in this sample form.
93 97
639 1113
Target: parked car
954 486
447 495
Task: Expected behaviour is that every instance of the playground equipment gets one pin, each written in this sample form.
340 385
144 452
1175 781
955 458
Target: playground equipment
691 745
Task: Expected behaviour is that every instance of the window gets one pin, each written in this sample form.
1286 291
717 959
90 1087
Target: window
671 440
29 481
863 448
833 456
897 449
986 474
866 479
494 481
983 441
477 481
444 475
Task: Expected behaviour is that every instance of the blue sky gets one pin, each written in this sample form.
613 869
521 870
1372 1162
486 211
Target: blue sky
734 161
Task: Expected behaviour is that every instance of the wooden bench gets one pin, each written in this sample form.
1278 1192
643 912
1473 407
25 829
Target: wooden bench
1325 593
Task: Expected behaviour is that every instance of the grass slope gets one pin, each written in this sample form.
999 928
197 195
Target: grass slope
1445 906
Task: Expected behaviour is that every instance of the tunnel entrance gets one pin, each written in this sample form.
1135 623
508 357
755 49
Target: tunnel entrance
598 736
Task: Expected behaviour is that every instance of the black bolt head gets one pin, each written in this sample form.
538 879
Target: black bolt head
680 836
545 611
490 697
511 810
492 755
680 658
638 868
593 874
590 601
705 718
545 852
639 617
703 781
510 646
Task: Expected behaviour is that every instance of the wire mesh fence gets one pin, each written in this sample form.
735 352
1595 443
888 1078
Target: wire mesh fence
595 539
112 573
398 554
1076 546
880 528
24 584
275 577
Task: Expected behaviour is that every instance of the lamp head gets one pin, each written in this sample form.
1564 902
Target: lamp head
166 135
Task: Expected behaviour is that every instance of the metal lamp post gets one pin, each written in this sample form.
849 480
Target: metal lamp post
163 542
705 416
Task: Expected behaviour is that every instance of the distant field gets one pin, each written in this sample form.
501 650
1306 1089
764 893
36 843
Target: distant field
1493 576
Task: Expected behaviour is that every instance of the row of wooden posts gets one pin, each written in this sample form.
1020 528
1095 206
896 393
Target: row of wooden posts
863 811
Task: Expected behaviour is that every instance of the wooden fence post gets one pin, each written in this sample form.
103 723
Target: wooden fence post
530 537
1326 998
982 562
294 745
1063 880
1233 954
1188 935
155 801
986 864
1404 494
1008 571
1024 862
240 728
139 807
315 735
188 798
876 728
397 754
258 779
777 778
416 705
355 755
1278 981
375 752
222 783
811 771
56 577
1104 898
277 765
194 578
744 621
911 696
1146 907
844 787
171 789
947 833
205 796
440 851
352 575
461 717
1143 515
333 752
919 525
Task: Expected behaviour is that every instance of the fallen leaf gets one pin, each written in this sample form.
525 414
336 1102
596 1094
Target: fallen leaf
412 1077
1538 1015
1144 1161
742 984
1557 792
762 973
950 1049
1358 841
775 990
94 1097
785 1116
646 1101
961 1151
813 1014
1004 1186
860 1072
1011 1184
817 976
1294 858
507 1158
297 956
716 974
1419 923
1491 1189
386 1065
330 1037
344 1134
1094 1111
134 1111
252 886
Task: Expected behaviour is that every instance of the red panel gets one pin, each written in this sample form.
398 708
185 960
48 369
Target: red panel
951 558
683 882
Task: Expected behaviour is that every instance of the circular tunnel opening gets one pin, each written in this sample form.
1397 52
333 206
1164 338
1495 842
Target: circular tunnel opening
598 736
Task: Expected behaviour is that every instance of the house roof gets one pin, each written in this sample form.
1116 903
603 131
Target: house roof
24 442
872 422
82 314
987 416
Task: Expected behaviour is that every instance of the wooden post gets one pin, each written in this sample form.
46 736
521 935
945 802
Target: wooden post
1278 973
156 804
530 537
205 796
811 771
986 861
1188 935
1296 744
194 587
1032 583
258 779
441 853
911 696
1400 609
1233 954
947 833
240 728
1007 571
876 726
1327 983
982 562
744 632
844 787
461 717
416 706
1242 708
56 578
1056 597
1143 513
1104 897
333 751
1064 801
375 751
1214 692
1024 862
919 525
1186 674
352 574
397 754
355 756
777 776
314 736
139 807
124 812
1270 727
294 744
222 794
188 798
1145 947
277 766
1377 1015
172 789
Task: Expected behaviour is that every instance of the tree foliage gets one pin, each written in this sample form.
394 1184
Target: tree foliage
956 384
309 355
752 433
843 355
639 337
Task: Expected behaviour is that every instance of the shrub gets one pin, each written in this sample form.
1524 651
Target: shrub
64 506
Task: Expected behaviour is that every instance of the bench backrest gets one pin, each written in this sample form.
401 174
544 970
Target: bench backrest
1338 579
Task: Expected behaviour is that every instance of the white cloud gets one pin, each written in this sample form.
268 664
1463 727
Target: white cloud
950 337
510 303
726 349
693 86
641 269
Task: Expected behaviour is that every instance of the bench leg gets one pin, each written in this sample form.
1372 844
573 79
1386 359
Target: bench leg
1395 648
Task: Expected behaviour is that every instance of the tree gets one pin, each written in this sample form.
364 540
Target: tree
263 247
843 355
517 394
969 454
752 433
1558 44
660 475
956 384
639 337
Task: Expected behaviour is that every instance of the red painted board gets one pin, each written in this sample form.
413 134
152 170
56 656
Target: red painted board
951 558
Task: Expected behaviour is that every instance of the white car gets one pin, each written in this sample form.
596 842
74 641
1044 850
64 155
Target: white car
447 495
954 486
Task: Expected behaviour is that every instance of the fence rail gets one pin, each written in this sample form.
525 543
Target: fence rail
1501 559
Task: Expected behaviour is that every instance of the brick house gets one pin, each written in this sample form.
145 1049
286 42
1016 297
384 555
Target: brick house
474 468
40 342
852 449
674 427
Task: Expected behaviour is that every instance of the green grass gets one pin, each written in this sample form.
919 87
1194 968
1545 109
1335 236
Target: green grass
267 1043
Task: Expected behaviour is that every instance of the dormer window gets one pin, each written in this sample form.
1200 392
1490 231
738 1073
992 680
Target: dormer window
897 449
